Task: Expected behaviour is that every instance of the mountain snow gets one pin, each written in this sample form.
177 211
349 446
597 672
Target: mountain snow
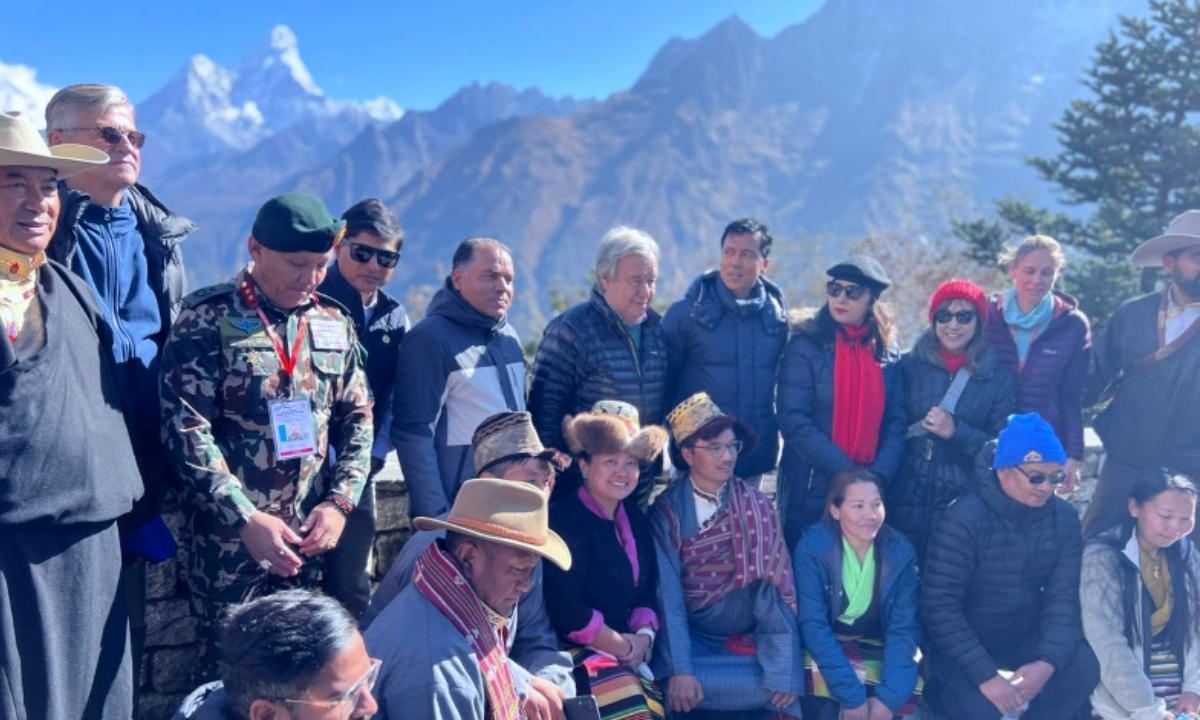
21 91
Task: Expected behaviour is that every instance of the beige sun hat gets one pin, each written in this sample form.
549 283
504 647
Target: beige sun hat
22 144
1183 232
505 512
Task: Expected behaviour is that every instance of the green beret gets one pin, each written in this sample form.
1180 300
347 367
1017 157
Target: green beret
296 223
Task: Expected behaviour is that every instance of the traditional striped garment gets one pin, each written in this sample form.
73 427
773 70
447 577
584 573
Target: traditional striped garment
441 583
742 545
866 657
620 692
1165 672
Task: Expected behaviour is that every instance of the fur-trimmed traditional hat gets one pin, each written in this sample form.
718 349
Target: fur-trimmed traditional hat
605 432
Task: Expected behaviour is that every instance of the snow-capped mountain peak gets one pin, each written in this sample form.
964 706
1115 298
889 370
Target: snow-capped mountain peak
21 91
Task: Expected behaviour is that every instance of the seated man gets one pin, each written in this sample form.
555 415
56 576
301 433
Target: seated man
730 639
444 648
507 447
1000 589
289 655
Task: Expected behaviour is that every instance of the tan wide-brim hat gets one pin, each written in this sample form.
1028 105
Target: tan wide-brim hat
1183 232
505 512
22 144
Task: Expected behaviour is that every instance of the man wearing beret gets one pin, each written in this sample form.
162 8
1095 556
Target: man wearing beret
1000 589
260 383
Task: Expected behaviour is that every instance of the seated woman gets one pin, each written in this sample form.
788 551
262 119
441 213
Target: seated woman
858 607
604 607
729 640
1139 602
957 397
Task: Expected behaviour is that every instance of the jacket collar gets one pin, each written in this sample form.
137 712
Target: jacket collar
1000 503
450 304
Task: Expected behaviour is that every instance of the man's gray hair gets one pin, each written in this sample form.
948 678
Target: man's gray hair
621 242
76 101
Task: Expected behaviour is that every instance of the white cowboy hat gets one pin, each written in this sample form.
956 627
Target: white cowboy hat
22 144
1184 231
505 512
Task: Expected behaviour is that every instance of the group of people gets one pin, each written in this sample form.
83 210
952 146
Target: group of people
268 404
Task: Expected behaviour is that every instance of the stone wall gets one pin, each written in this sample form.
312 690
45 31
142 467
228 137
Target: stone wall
171 648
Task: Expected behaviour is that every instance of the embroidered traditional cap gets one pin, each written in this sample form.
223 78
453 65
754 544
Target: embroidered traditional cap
861 270
610 428
295 222
693 414
1028 439
22 144
505 512
1183 232
510 435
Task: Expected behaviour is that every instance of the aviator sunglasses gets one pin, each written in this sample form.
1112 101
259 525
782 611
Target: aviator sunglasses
113 136
364 253
964 317
1057 477
853 292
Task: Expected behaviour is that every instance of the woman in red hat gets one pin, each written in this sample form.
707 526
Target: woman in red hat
958 396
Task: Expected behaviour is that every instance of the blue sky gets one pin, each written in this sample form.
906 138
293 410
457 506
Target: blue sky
417 53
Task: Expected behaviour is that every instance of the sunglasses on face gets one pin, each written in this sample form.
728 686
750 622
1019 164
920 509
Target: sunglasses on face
964 317
853 292
113 136
364 253
1058 477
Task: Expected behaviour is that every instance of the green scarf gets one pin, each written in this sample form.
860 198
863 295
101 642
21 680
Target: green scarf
858 580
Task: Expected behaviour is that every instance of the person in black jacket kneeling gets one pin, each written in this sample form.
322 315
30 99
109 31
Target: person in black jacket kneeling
1000 589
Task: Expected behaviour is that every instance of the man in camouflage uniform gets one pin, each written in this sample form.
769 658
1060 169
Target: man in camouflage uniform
258 380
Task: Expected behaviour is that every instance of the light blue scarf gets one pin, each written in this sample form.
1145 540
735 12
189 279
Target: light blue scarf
1026 326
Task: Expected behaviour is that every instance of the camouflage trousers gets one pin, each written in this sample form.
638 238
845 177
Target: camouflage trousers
223 574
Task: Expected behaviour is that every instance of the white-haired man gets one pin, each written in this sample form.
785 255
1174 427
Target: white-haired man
609 347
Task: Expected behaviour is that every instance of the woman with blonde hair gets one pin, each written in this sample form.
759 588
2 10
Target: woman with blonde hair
1044 339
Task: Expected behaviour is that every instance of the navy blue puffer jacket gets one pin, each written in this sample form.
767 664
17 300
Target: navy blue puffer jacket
810 457
730 349
587 355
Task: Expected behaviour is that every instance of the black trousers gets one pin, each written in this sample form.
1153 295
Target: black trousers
1114 487
346 577
1065 696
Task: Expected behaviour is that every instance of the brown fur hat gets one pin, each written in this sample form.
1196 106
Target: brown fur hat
605 434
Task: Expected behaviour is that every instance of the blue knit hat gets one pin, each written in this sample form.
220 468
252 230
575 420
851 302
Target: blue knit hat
1027 439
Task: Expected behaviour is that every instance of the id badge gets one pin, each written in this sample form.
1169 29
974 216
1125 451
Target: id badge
329 335
292 428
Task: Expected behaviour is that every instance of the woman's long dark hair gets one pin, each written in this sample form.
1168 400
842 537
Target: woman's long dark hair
880 319
1183 625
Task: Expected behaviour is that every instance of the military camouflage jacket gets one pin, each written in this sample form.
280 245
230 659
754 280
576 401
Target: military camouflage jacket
220 372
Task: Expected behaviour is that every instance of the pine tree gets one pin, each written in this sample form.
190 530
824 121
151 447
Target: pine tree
1130 158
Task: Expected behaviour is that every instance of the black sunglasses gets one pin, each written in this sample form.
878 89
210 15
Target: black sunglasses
364 253
1057 477
834 289
114 136
964 317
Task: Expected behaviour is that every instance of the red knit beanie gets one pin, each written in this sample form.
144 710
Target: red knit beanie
960 290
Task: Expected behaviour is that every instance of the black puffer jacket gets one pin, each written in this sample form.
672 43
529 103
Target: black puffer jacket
805 401
587 355
936 471
731 350
1000 584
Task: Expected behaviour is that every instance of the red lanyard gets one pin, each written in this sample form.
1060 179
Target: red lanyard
250 296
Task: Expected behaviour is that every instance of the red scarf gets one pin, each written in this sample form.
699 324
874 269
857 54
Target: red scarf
857 394
953 362
440 582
